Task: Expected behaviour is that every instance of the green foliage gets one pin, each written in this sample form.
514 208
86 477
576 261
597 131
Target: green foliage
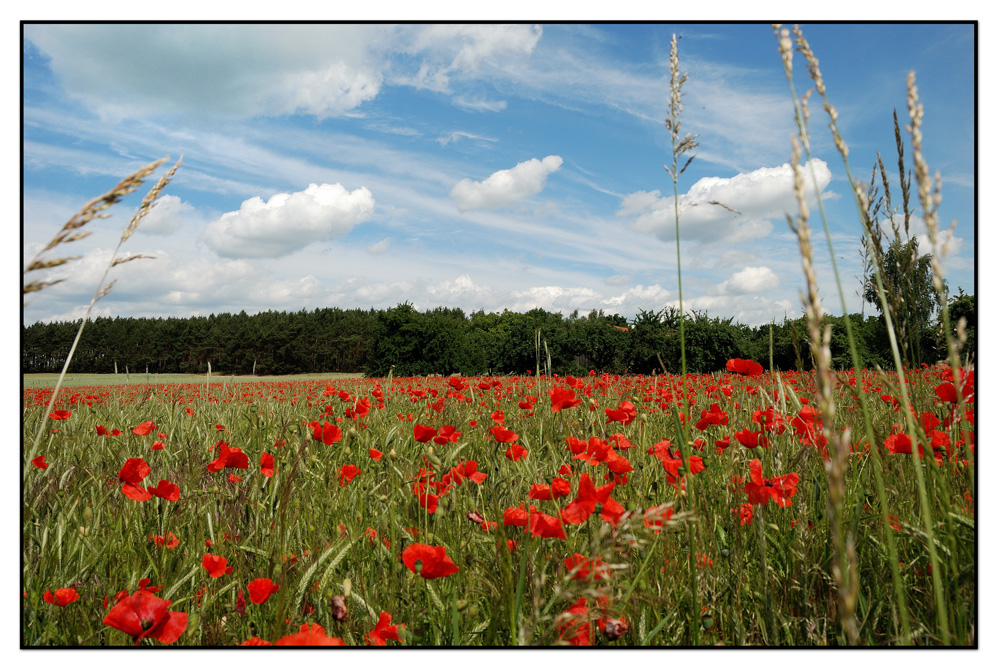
908 279
446 341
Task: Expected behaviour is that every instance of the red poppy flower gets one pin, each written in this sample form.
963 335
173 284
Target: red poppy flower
583 569
423 433
545 526
158 446
328 433
563 398
267 464
309 635
255 641
780 488
233 458
60 415
624 414
712 416
515 452
620 441
516 516
144 615
170 540
260 589
375 454
434 561
101 431
656 517
347 474
384 631
428 500
62 596
751 439
40 462
215 565
575 625
900 443
587 499
142 429
166 490
744 367
503 435
744 514
131 473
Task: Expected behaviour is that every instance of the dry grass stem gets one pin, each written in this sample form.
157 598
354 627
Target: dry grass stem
93 209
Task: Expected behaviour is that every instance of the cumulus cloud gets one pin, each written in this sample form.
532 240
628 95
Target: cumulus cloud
505 187
288 222
949 245
248 70
729 209
751 280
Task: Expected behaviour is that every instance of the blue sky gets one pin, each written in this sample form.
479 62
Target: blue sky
478 166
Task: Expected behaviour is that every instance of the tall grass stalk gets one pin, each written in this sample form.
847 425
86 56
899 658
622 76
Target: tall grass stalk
930 199
89 212
678 147
801 117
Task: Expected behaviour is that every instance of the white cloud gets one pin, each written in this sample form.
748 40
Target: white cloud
379 247
751 280
618 280
447 50
165 216
481 105
949 245
723 209
250 70
288 222
505 187
444 140
241 70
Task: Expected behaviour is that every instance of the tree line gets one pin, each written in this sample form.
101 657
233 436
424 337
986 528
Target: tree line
408 342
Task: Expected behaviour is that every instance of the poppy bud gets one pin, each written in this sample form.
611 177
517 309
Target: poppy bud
474 610
83 531
461 604
88 514
614 629
724 552
352 431
339 608
392 452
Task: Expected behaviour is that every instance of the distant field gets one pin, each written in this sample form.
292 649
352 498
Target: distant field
72 380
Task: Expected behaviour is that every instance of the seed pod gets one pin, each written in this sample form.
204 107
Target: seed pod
707 622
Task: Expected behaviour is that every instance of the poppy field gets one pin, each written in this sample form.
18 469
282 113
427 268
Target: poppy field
540 510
